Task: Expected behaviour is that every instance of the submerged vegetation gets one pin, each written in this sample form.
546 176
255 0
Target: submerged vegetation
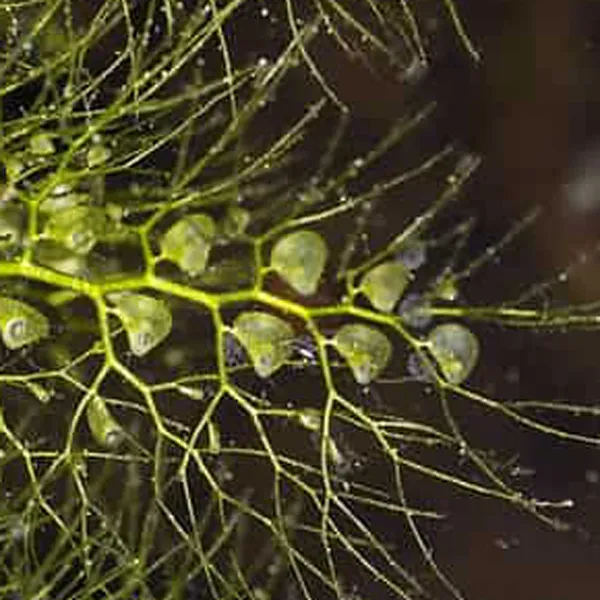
239 357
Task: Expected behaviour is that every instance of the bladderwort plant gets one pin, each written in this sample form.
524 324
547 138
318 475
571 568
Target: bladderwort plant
239 359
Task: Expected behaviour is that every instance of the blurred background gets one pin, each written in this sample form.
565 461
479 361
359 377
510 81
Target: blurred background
531 109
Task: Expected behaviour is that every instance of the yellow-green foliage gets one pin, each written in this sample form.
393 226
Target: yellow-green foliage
209 373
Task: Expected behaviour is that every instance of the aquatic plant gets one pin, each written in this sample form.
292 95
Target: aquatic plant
212 384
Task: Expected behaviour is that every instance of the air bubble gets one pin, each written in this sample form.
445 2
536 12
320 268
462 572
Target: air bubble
147 320
188 243
366 350
299 258
414 311
267 339
455 349
412 256
384 284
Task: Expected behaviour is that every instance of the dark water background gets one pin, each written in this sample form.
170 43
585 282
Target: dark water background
531 110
